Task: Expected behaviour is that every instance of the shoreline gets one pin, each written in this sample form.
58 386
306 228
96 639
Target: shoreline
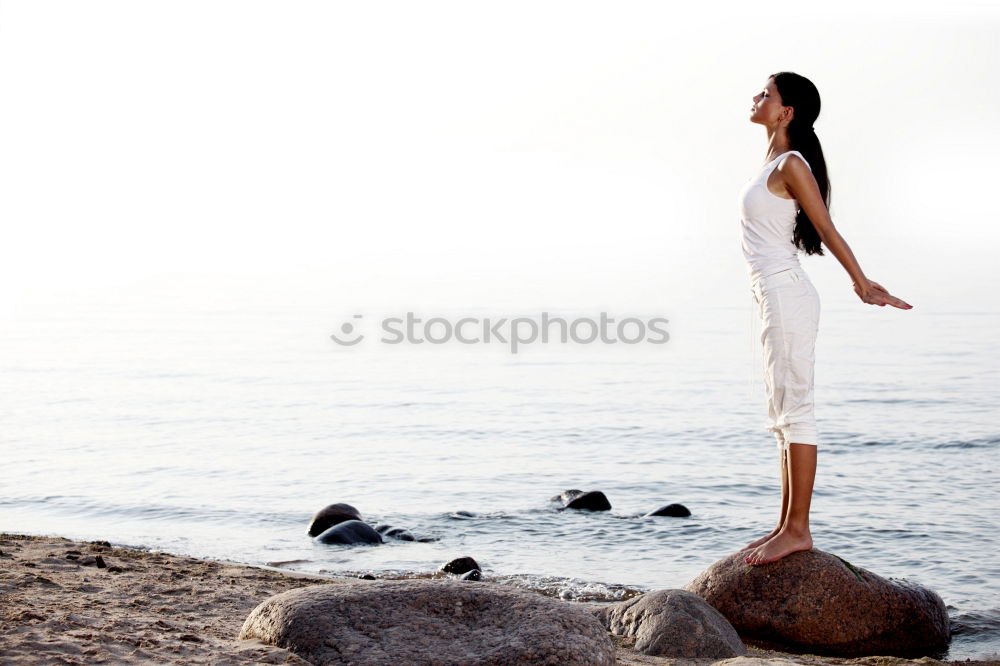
61 605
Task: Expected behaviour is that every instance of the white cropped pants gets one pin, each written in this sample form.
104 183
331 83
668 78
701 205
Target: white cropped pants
787 305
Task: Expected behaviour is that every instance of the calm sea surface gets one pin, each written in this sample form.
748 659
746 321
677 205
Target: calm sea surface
218 431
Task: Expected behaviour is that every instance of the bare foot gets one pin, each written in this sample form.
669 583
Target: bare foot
784 543
761 541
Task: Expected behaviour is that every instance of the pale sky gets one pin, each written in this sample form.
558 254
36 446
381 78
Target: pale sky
532 154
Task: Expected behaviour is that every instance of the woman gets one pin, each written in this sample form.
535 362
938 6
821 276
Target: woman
784 209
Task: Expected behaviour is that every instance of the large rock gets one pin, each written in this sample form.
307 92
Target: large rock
440 622
673 623
816 601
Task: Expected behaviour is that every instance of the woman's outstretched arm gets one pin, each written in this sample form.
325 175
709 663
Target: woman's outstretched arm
803 186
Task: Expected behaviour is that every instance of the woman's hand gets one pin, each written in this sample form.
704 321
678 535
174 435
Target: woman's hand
872 292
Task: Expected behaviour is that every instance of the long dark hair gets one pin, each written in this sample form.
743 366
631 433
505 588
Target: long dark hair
799 92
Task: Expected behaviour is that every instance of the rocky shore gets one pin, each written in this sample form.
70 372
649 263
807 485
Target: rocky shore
72 602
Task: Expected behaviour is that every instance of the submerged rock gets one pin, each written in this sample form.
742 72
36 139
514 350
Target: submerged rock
816 601
424 622
459 565
594 500
566 495
395 532
672 510
350 532
331 515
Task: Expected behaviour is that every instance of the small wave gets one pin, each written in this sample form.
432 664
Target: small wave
75 505
559 587
897 401
982 443
976 622
571 589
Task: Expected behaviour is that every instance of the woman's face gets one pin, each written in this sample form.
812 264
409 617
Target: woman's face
767 106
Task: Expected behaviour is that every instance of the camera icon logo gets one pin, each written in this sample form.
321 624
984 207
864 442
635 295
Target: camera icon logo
348 328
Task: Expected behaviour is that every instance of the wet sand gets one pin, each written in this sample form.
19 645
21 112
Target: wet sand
61 606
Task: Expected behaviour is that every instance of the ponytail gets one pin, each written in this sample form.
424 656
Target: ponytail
800 93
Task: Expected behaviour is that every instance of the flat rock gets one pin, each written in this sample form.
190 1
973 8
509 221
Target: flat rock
673 623
815 601
440 622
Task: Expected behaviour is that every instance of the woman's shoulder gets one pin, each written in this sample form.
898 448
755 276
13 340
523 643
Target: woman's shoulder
794 152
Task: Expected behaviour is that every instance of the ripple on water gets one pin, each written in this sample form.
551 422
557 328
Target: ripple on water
986 442
975 634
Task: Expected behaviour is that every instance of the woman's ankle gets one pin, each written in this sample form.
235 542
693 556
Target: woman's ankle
800 531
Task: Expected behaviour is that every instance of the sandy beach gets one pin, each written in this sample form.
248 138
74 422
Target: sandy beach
72 602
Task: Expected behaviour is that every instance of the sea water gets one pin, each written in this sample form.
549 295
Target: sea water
218 430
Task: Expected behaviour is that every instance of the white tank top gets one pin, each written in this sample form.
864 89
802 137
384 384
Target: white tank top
767 222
